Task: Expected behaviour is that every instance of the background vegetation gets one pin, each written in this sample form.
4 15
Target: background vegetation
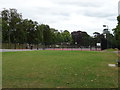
19 31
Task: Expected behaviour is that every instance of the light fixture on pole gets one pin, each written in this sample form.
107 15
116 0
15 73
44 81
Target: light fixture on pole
105 32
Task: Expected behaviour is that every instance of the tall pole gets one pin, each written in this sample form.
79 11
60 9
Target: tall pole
9 39
43 39
107 36
106 32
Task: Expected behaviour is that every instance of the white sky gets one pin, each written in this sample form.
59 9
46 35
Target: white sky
72 15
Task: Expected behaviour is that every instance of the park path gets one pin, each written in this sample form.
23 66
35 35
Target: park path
14 50
65 49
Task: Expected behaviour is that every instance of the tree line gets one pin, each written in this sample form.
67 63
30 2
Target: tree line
17 30
117 33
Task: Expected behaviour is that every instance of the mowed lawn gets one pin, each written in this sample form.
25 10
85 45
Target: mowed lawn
59 69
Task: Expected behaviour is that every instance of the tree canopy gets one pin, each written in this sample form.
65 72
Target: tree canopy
16 30
117 32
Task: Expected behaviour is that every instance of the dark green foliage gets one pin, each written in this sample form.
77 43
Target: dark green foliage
117 32
16 30
106 39
81 38
46 34
23 31
66 36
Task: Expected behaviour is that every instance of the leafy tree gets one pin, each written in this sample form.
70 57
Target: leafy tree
82 38
60 38
21 33
17 30
39 34
30 31
106 39
10 21
5 26
46 34
54 38
109 38
97 38
85 39
117 33
14 22
66 36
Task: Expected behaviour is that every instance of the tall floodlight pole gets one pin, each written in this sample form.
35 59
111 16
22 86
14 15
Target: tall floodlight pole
9 41
106 32
42 40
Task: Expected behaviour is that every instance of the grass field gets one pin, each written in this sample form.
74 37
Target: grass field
59 69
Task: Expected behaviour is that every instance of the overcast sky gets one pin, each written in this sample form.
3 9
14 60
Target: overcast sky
72 15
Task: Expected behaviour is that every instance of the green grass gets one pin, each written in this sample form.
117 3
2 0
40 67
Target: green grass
59 69
111 50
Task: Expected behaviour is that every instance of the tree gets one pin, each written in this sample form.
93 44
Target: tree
109 38
97 35
59 38
38 35
31 32
46 34
5 26
14 21
106 39
76 36
82 38
117 33
66 36
85 39
54 38
97 38
10 21
21 33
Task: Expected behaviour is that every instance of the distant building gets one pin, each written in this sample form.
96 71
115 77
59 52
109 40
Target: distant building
119 8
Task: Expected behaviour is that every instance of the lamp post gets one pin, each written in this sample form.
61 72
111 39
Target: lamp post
42 39
9 41
105 31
